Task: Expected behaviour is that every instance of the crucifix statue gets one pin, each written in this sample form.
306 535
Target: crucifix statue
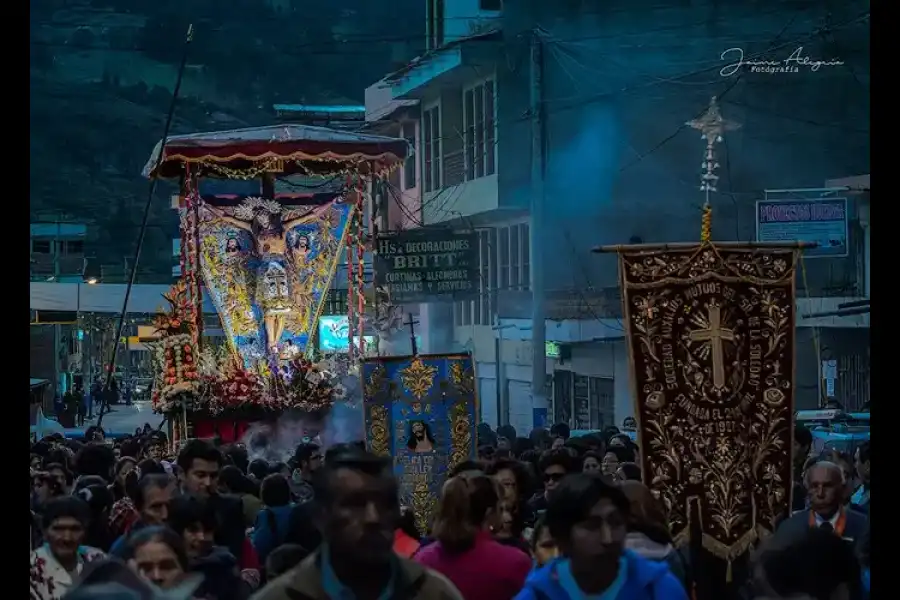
269 224
714 334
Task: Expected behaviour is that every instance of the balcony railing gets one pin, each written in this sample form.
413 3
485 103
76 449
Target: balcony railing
561 305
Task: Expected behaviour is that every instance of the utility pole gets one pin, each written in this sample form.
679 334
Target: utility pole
538 165
57 328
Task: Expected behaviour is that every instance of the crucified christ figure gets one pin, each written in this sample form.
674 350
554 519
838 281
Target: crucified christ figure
269 224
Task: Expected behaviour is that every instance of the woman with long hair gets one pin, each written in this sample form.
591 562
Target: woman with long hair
464 550
513 481
124 466
648 532
99 499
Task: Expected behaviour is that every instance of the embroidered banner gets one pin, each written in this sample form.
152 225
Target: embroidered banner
421 411
711 334
268 265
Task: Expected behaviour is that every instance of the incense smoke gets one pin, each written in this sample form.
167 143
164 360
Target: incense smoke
276 442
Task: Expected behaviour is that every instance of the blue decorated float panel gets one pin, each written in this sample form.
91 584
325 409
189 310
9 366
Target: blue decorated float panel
267 265
421 411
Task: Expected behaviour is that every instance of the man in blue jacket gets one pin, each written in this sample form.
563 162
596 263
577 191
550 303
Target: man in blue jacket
587 518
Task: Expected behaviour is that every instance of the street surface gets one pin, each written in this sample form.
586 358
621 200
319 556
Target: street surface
124 419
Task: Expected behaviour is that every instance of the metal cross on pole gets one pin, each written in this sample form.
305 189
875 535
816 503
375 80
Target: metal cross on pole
412 334
711 127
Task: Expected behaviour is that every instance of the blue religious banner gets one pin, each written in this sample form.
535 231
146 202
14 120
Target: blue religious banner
421 411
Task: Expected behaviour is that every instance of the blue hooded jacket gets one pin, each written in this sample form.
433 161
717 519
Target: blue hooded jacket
646 580
271 528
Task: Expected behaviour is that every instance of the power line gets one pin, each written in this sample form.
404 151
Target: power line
584 271
580 100
369 39
794 118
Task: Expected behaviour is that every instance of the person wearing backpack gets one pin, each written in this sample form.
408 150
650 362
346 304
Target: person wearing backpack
273 521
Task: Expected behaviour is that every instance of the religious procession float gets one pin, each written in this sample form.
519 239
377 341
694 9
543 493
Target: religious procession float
266 261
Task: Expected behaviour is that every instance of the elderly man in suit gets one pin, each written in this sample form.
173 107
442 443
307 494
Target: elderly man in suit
825 484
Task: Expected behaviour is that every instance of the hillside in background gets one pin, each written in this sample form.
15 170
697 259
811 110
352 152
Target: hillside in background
103 71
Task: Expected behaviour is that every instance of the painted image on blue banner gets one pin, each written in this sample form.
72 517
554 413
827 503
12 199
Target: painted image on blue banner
421 412
820 220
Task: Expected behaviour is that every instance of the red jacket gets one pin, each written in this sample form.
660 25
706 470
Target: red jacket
405 545
249 559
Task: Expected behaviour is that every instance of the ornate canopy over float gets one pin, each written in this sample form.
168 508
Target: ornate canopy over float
266 260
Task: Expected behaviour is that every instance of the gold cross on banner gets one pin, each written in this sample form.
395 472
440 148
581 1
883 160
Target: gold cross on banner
714 335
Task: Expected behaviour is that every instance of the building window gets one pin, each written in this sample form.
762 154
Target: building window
479 125
431 143
503 258
40 246
515 258
74 247
493 5
409 166
336 302
480 310
525 246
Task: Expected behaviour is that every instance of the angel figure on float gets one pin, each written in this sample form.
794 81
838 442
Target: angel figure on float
268 222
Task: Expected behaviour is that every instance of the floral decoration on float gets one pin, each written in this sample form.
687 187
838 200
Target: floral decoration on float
174 355
306 386
227 391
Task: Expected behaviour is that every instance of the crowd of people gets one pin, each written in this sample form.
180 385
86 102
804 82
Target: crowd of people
547 517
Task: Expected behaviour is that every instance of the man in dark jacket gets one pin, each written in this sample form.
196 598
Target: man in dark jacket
357 559
151 500
194 519
551 468
307 460
825 483
200 462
